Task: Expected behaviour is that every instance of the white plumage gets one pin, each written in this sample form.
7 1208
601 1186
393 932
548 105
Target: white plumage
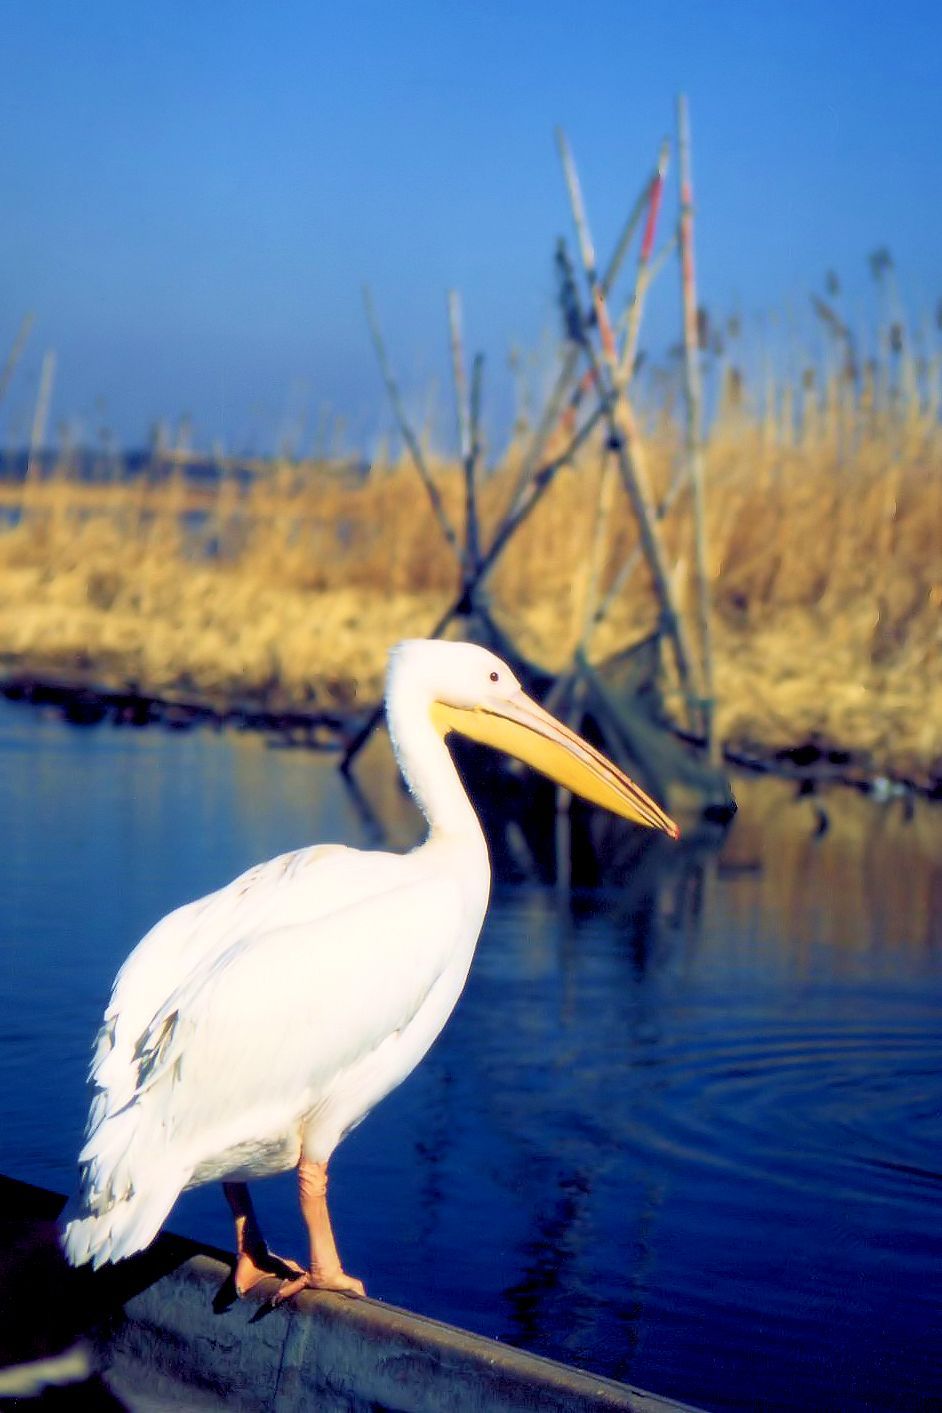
249 1031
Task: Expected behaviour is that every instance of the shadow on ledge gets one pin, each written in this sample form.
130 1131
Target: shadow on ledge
167 1334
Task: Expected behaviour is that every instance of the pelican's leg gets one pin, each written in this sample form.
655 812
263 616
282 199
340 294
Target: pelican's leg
254 1261
326 1272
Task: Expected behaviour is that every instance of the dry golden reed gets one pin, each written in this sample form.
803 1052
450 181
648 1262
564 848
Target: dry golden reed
825 561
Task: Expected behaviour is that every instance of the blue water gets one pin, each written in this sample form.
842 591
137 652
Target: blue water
685 1132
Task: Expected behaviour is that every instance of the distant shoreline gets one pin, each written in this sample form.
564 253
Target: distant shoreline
82 700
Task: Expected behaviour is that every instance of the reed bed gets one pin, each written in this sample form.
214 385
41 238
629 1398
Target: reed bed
825 565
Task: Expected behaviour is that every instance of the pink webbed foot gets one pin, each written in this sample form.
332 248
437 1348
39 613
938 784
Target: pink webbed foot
311 1280
254 1261
259 1265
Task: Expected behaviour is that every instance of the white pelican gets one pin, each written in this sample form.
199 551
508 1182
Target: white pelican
249 1031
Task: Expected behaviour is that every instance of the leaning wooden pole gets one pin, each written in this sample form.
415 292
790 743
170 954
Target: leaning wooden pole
472 468
587 249
645 271
562 406
467 434
643 276
626 441
37 436
635 555
462 415
534 491
405 430
694 441
13 357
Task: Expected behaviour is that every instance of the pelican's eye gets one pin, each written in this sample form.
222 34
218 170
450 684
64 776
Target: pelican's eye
495 676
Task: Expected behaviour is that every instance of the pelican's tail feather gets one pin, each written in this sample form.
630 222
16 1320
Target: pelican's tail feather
117 1229
130 1180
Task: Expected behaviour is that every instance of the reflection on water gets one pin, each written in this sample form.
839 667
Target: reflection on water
684 1131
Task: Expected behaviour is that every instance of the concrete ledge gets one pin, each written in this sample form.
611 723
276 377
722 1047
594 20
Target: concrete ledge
170 1331
330 1352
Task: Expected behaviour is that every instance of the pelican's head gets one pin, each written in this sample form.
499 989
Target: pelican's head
470 690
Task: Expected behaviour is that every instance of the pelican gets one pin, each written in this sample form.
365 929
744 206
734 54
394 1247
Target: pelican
251 1030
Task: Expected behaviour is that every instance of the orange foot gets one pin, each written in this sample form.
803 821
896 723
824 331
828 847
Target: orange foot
311 1280
259 1265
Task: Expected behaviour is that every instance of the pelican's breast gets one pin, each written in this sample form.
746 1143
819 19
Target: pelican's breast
359 1088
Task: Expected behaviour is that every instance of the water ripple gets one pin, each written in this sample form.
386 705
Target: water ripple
797 1102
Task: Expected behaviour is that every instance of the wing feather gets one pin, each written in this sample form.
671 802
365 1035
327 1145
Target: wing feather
255 1038
292 888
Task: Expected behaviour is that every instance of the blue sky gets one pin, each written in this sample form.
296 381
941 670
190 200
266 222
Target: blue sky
194 191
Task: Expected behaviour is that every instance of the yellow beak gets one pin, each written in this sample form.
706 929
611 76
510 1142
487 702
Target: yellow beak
521 728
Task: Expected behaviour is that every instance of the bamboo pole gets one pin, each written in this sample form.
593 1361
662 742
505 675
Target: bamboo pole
37 436
694 400
644 273
405 430
16 350
586 383
586 585
626 443
627 447
634 557
562 821
534 491
467 438
458 373
472 534
587 250
634 311
563 403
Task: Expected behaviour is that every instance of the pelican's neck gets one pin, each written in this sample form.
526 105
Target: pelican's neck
427 766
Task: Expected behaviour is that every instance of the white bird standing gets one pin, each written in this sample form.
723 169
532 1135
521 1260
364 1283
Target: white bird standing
249 1031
